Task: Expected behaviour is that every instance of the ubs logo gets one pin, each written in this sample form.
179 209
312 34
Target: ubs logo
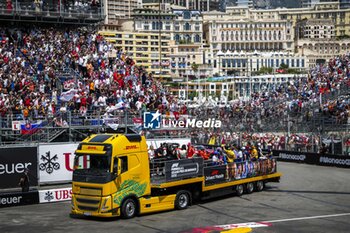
48 196
49 164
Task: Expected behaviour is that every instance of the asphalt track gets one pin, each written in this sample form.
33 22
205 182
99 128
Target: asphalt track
308 199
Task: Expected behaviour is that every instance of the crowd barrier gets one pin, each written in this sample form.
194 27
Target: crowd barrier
35 197
16 199
313 158
47 163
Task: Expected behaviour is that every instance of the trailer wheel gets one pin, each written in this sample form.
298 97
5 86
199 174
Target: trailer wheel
239 190
182 200
128 209
259 185
249 188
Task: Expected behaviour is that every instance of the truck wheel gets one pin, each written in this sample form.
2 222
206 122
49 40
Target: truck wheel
182 200
239 190
249 188
259 185
128 209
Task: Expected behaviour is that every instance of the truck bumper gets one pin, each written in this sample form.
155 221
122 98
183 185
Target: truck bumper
113 213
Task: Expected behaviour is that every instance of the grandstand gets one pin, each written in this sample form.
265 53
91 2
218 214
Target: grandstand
60 84
64 12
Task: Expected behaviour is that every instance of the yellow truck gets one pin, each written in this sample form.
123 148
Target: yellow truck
113 176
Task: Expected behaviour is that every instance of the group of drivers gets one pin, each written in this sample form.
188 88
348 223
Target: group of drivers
218 155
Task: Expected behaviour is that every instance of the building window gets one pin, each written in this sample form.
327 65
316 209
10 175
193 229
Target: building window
187 26
197 39
188 38
187 15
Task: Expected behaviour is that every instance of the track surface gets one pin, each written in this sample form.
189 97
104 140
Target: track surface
304 191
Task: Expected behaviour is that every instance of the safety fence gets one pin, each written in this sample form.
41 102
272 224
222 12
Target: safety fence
46 163
53 164
35 197
313 158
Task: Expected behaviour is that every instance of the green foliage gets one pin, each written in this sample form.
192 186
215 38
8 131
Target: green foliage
265 70
185 42
343 37
191 95
194 66
293 71
284 66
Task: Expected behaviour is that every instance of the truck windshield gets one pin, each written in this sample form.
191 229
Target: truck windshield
92 162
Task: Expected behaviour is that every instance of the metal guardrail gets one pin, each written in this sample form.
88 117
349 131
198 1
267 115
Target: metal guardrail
20 9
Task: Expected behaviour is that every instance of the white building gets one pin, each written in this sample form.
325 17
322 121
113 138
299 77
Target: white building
186 30
249 63
120 9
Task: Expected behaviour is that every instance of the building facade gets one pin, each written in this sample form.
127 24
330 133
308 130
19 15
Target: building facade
120 9
248 64
185 28
145 49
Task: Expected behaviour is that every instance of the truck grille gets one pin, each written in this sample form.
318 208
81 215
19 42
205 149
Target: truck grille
88 208
88 203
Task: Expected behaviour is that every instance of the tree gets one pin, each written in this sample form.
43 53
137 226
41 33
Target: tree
283 66
265 70
194 67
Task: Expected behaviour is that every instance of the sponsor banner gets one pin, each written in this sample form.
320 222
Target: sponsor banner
56 162
13 162
214 174
16 125
186 168
15 199
313 158
55 195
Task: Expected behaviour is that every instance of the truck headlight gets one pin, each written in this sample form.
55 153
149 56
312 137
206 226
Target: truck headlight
106 204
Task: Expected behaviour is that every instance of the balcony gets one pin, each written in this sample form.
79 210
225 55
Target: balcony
52 13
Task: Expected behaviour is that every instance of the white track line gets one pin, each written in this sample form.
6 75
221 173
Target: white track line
305 218
268 223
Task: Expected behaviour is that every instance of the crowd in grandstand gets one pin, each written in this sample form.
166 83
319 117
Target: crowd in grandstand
37 6
30 85
107 80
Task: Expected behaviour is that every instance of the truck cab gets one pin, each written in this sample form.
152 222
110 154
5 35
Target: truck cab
110 173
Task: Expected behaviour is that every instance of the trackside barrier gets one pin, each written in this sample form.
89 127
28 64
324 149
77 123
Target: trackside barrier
47 163
16 199
14 161
55 195
313 158
56 162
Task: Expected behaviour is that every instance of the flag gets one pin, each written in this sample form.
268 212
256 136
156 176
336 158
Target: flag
212 140
30 128
68 95
176 115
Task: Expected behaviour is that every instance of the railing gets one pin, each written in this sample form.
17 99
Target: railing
84 10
